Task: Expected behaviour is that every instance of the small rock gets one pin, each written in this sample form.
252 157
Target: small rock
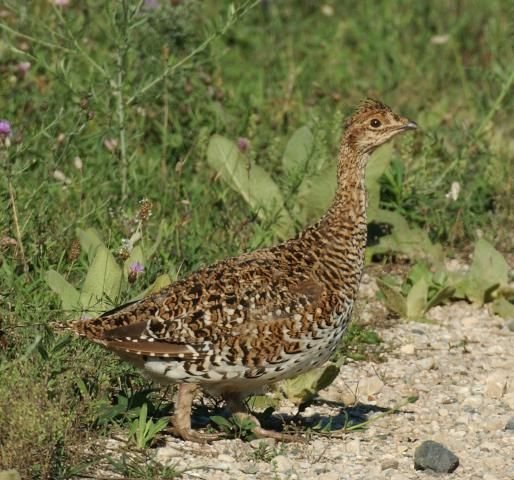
495 385
282 463
164 454
222 457
510 424
508 399
408 349
329 476
389 462
510 325
468 322
370 386
259 442
399 476
353 446
435 456
426 363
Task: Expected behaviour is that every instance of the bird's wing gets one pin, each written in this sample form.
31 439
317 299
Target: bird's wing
184 319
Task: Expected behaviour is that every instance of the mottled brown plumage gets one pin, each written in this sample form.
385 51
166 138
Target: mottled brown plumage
246 322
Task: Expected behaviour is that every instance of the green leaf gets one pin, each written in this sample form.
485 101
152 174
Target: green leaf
413 242
503 308
298 152
488 274
89 241
304 387
103 281
69 295
416 301
393 299
316 193
444 293
376 167
252 182
160 282
221 422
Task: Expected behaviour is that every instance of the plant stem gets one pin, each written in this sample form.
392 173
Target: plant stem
497 103
12 198
121 128
121 105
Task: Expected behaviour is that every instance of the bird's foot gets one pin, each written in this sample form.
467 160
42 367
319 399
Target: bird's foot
260 432
183 430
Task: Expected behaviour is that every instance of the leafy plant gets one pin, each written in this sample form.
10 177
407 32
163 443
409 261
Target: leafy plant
235 426
421 290
143 430
142 465
305 387
486 281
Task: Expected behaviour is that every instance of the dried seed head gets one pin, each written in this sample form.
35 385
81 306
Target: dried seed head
125 249
145 210
74 250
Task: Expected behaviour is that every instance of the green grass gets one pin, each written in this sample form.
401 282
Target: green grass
97 74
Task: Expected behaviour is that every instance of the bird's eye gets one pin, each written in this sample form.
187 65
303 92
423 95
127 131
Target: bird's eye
375 123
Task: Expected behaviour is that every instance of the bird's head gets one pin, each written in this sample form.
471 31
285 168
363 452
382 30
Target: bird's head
373 124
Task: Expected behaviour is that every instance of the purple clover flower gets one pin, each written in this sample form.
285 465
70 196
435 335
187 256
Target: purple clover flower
136 268
5 128
243 144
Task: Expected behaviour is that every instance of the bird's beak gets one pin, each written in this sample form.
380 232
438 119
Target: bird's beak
410 125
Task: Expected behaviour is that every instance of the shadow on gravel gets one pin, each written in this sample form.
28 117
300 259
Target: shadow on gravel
344 417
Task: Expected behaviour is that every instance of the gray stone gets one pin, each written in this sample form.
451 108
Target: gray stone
510 325
434 456
510 424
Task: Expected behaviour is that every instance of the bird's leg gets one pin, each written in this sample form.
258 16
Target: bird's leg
181 419
238 408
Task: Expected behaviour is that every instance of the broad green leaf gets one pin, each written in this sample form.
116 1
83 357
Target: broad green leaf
89 241
316 193
444 293
261 402
376 167
298 152
69 295
503 308
411 241
160 282
488 274
418 271
252 182
221 422
416 300
393 299
304 387
103 281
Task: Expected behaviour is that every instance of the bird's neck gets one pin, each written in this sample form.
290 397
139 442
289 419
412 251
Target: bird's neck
340 235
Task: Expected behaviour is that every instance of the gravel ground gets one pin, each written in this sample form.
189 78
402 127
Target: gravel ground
460 365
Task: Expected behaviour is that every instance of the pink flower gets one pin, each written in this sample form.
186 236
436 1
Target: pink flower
136 267
5 128
22 68
243 144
